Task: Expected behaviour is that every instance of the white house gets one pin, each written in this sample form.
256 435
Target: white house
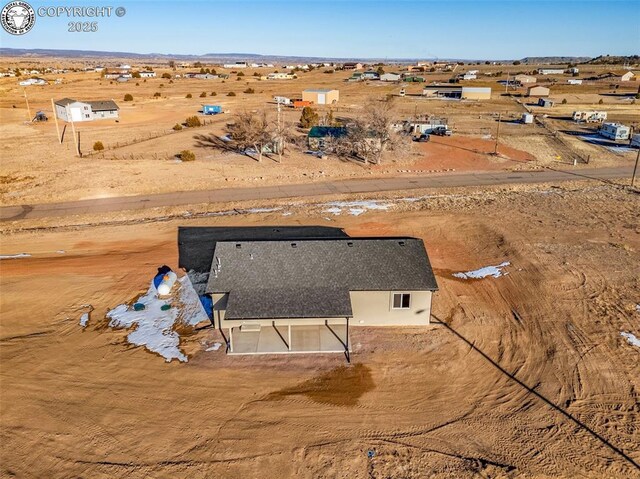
627 76
574 81
69 109
147 74
390 77
280 76
469 76
550 71
236 65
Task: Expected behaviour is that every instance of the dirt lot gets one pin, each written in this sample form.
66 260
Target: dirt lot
141 149
525 375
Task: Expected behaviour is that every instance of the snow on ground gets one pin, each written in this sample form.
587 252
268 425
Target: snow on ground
355 208
84 319
495 271
153 326
631 339
214 347
638 308
15 256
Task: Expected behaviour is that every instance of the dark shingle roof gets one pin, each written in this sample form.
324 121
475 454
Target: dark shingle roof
105 105
65 101
312 278
196 244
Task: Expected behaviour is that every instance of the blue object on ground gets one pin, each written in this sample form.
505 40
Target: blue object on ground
207 304
370 454
165 307
138 307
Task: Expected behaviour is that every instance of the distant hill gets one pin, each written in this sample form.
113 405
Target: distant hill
615 60
553 60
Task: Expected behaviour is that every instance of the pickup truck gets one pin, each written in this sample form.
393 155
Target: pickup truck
441 131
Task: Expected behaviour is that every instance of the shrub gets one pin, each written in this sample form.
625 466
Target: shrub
238 79
177 127
249 90
256 74
157 95
166 75
128 97
213 93
564 101
309 117
193 121
601 101
231 94
187 155
189 95
170 81
203 94
137 84
98 146
240 74
135 75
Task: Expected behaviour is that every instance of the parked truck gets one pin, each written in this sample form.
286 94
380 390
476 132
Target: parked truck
589 116
282 100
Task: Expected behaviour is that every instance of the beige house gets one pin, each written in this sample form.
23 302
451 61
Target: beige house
525 79
538 90
321 96
629 76
303 295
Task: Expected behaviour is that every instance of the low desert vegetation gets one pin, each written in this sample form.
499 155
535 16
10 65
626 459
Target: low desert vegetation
189 95
187 155
193 121
98 146
177 127
128 97
203 94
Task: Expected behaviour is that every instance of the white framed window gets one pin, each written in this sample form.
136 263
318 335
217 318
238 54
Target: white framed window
401 301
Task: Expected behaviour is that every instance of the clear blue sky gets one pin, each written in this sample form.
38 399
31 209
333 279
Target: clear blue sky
482 29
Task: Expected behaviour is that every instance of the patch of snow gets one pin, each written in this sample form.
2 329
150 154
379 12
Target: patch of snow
631 339
356 208
287 213
261 210
15 256
61 251
356 211
335 211
638 308
84 319
214 347
153 326
495 271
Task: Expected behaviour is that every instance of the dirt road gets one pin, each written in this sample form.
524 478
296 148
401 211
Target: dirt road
103 205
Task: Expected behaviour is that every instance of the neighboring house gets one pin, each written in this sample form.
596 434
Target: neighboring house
615 131
69 109
413 79
355 76
205 76
545 102
147 74
627 76
303 295
33 81
321 96
538 90
370 75
574 81
390 77
280 76
468 76
282 100
551 71
458 92
98 69
236 65
525 79
352 66
319 136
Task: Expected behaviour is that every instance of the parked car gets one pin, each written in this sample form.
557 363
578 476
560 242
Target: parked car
441 131
422 138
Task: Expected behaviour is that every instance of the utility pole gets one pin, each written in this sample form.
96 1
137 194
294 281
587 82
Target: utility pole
495 150
635 168
55 117
27 101
280 140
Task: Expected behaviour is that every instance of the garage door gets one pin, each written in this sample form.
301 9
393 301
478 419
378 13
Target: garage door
76 114
322 98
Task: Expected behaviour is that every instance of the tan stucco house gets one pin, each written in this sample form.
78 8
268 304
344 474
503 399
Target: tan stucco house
300 293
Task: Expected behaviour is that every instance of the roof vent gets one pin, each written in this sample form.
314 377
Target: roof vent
294 245
401 243
349 243
238 246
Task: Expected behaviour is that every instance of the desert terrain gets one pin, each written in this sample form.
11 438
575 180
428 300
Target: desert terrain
140 155
523 375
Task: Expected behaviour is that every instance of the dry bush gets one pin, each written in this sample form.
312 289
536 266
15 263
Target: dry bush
187 155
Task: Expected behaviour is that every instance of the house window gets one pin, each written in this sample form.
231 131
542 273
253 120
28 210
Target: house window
401 301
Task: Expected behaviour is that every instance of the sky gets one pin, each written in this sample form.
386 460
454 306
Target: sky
481 29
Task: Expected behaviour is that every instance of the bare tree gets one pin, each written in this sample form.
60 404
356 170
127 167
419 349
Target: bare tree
250 130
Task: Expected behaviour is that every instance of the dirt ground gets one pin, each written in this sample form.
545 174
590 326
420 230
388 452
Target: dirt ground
140 155
525 375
